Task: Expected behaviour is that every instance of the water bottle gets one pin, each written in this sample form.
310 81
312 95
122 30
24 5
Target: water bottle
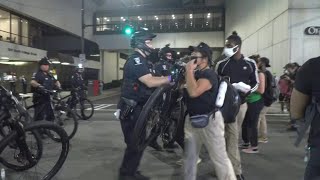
221 94
3 174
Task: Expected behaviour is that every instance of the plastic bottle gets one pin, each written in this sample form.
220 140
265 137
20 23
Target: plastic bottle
221 94
3 174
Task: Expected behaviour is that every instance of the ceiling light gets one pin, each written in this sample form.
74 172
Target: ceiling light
138 17
157 18
95 55
105 18
4 58
173 17
108 20
121 17
65 63
191 15
14 63
209 14
98 19
178 53
55 62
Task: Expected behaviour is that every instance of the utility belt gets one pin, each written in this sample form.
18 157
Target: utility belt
126 107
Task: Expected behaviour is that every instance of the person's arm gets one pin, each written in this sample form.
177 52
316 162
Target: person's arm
254 77
195 87
262 84
301 94
151 81
34 83
298 104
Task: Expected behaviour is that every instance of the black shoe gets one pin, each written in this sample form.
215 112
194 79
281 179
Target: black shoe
240 177
156 146
139 176
126 177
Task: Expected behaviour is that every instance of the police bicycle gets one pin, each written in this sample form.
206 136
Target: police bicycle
163 113
22 148
63 115
78 101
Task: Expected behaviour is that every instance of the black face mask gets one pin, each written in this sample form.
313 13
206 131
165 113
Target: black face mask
154 56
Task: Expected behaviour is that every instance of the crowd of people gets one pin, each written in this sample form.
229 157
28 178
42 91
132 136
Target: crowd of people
221 139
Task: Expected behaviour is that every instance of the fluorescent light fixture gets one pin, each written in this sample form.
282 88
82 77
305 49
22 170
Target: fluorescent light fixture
121 17
108 20
98 19
4 58
105 18
95 55
178 53
55 62
14 63
65 63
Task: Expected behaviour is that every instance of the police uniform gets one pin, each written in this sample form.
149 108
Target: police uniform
163 68
43 109
77 81
134 90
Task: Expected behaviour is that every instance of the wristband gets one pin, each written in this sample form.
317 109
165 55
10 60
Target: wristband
169 78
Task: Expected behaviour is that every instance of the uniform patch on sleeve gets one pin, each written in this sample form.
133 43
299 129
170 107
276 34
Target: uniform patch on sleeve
164 67
137 61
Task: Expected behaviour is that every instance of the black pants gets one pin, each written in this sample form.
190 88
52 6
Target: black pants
43 110
250 123
313 168
24 88
132 156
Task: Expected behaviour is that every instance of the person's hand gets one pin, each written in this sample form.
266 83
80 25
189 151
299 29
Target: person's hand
191 65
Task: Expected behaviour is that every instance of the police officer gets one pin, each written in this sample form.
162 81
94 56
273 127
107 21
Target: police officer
163 67
40 81
137 82
77 82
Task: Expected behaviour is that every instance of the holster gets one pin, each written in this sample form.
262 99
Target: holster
126 106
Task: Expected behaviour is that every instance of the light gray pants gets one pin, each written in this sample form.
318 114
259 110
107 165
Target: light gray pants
213 138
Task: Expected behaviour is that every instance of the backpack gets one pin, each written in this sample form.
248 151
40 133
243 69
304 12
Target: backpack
232 102
270 93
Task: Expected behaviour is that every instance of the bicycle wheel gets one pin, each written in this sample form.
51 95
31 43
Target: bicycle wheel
147 126
84 109
67 119
48 164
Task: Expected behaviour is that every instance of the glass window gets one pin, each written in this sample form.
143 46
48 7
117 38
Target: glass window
15 21
4 25
24 32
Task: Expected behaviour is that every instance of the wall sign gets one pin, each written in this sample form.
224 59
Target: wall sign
312 30
21 51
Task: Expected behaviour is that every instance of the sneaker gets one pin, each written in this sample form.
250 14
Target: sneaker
156 146
170 147
240 177
251 150
244 145
263 140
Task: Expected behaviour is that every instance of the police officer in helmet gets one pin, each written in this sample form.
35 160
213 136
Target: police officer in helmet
42 80
166 62
77 82
137 81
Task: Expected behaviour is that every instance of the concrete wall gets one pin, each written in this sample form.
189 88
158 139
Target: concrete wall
303 47
60 13
263 27
177 40
304 4
110 66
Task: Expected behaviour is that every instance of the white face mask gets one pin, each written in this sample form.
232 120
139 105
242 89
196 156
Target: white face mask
229 52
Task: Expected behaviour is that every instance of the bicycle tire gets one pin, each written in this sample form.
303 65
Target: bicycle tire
80 111
61 120
140 126
38 126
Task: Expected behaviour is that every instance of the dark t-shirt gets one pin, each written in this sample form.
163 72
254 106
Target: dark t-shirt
46 80
307 82
205 103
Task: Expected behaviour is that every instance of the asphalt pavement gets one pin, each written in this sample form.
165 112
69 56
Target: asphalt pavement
97 150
